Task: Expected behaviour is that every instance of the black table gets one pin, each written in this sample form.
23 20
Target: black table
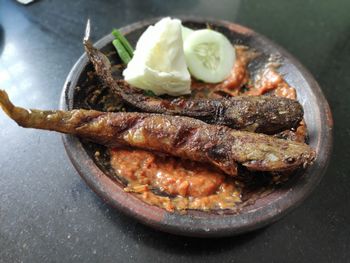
48 214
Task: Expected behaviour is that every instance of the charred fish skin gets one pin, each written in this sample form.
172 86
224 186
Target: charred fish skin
262 114
179 136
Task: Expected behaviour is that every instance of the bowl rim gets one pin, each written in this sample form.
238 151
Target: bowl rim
192 225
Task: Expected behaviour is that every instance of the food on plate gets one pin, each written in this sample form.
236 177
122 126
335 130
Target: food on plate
186 32
209 55
260 114
179 136
159 62
122 52
123 45
195 123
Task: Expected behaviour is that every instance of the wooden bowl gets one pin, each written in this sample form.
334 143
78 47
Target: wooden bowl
263 211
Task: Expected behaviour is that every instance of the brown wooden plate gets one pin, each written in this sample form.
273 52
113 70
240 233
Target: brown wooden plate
267 208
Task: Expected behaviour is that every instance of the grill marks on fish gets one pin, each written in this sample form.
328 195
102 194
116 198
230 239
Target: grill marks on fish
179 136
182 135
263 114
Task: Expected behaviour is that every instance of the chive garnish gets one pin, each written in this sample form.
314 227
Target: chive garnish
123 41
123 54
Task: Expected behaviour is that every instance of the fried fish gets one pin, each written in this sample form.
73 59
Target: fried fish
179 136
263 114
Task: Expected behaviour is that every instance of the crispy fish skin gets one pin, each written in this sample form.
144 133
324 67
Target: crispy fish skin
175 135
263 114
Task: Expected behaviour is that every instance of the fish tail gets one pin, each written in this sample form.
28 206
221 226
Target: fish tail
87 30
18 114
100 62
61 121
23 117
5 103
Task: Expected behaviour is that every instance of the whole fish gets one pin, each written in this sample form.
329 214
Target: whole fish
263 114
179 136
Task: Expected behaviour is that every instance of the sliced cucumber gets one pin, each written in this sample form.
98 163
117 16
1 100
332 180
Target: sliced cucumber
185 31
209 55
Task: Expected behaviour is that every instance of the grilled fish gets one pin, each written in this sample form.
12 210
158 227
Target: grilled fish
263 114
179 136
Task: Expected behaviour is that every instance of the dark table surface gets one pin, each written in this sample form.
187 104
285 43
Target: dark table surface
48 214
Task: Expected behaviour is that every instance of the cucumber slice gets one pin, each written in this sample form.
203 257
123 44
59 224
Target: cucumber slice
209 55
185 31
